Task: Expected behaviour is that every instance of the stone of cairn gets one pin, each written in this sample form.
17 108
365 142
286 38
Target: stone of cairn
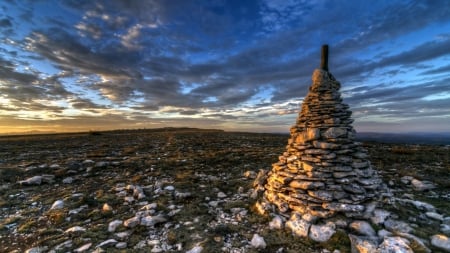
323 172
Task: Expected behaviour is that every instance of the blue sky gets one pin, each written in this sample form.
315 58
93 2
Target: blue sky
233 65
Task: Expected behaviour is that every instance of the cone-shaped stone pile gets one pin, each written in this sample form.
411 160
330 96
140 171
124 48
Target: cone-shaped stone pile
323 171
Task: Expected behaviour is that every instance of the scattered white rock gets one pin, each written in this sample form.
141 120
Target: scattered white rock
152 220
37 180
395 244
65 244
113 225
77 210
59 204
101 164
122 235
422 185
107 243
406 179
250 174
258 242
196 249
441 242
362 228
68 180
75 229
131 222
36 250
322 233
107 208
149 206
121 245
182 195
129 199
213 203
157 249
276 223
169 188
83 248
221 195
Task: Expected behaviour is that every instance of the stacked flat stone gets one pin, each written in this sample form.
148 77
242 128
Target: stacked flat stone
323 171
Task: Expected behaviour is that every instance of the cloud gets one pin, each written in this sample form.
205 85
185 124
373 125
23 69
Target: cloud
5 23
440 70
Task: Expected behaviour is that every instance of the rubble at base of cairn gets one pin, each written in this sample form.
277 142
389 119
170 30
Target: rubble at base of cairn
324 173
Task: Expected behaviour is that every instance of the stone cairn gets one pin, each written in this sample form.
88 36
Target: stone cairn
323 172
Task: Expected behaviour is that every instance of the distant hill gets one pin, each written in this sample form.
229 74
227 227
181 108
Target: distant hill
406 138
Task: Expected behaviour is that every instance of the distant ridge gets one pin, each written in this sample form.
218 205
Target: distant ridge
98 132
406 138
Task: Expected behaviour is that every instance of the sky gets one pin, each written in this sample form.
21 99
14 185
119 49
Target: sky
80 65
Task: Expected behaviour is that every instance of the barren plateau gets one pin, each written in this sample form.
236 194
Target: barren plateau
185 190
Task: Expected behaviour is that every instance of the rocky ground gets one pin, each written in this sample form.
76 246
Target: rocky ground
186 190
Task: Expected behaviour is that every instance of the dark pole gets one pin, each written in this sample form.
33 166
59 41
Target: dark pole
324 59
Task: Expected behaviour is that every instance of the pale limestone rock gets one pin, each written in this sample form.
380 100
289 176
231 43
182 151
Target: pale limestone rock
276 223
59 204
383 233
435 216
221 195
250 174
196 249
441 242
131 222
68 180
121 245
298 226
36 250
156 249
419 244
258 242
306 185
342 207
445 229
122 235
322 233
422 185
379 216
112 226
362 228
362 244
107 208
397 226
75 229
335 132
395 244
169 188
83 248
152 220
106 243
